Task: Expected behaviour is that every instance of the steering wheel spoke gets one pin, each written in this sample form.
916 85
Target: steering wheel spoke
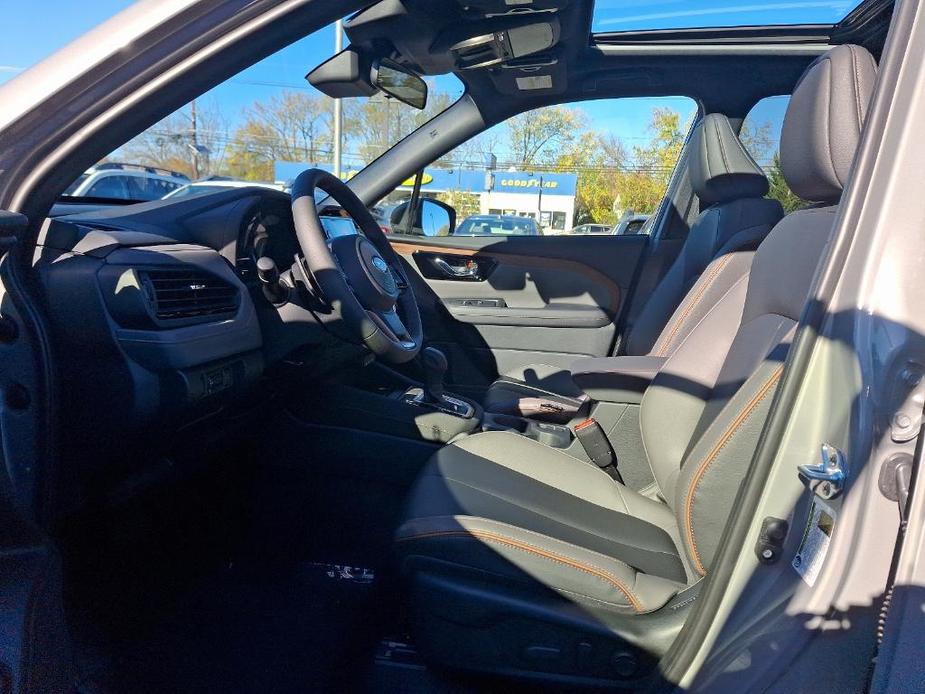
360 274
392 324
400 280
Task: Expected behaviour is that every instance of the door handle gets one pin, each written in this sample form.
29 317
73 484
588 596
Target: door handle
469 271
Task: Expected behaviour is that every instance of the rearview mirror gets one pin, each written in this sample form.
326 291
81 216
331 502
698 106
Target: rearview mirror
400 83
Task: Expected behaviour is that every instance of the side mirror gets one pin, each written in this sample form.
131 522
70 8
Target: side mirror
432 218
400 83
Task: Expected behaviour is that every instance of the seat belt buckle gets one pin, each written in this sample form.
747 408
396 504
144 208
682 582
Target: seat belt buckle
592 438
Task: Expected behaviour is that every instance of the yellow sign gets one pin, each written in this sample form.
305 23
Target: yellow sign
425 179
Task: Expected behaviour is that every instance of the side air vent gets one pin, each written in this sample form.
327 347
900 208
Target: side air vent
177 294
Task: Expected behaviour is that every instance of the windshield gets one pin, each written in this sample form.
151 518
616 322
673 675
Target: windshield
265 124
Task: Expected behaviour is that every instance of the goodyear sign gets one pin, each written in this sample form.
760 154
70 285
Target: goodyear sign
533 182
474 181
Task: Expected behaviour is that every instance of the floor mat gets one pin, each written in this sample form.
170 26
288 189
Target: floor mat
303 628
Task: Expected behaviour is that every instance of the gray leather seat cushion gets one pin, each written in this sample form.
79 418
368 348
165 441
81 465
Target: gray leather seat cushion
510 491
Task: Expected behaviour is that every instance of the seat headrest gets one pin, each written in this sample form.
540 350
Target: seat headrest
720 167
822 127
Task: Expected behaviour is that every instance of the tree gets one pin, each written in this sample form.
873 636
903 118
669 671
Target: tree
473 152
757 140
291 126
464 202
169 143
374 125
542 136
779 190
661 154
597 158
642 186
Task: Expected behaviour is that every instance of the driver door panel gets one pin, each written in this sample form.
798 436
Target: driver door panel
493 304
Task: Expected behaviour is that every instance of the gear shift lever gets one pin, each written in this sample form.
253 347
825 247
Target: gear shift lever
432 395
435 366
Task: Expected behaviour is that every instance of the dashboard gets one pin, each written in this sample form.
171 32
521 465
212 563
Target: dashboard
162 306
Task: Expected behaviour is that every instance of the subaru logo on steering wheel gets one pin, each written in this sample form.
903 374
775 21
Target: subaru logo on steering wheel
380 264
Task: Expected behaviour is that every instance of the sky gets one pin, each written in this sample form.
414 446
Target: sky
627 15
30 35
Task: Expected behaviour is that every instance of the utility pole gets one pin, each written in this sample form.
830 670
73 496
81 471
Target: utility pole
195 140
338 105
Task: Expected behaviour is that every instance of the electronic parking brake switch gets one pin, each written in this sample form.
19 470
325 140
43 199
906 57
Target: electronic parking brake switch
592 438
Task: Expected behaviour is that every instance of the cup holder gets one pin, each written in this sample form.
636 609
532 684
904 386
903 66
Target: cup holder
504 422
554 435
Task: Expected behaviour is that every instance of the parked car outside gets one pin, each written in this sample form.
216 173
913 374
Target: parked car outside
215 184
497 224
591 229
117 181
630 225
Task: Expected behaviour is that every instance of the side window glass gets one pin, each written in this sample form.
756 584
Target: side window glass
761 136
109 187
146 188
594 168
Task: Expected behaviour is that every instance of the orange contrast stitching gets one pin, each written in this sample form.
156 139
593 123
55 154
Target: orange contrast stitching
701 471
517 544
693 303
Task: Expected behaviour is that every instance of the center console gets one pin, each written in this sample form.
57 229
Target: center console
605 429
554 435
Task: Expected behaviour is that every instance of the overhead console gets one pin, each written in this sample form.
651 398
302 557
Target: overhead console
496 40
437 38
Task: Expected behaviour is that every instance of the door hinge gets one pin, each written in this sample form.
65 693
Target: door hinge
907 420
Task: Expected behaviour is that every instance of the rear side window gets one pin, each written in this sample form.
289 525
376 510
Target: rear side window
761 136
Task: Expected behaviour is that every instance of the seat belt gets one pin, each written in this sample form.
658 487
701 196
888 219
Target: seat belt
597 447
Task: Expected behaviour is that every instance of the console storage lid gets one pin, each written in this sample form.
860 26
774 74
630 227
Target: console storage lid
616 379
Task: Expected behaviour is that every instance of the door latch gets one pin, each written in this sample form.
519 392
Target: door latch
826 479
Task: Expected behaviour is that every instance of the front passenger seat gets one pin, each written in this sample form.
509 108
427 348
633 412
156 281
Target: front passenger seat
521 559
717 252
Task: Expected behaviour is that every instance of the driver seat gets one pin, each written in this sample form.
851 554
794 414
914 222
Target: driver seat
521 559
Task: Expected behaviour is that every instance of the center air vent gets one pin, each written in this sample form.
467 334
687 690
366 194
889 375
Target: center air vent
183 294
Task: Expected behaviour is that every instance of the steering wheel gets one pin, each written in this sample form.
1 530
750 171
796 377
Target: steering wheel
360 276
